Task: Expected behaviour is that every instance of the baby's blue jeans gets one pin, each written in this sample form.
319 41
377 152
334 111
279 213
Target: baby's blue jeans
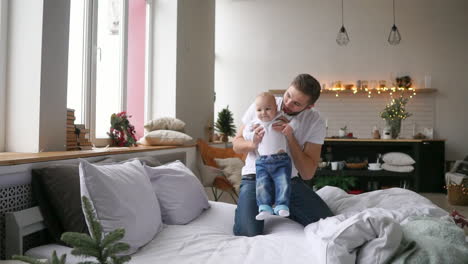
273 185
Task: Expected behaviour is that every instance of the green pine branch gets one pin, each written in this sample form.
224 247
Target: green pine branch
55 259
106 250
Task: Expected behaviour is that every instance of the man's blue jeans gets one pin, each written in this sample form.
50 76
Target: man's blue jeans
305 206
273 182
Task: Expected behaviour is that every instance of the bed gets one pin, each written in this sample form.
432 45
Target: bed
369 224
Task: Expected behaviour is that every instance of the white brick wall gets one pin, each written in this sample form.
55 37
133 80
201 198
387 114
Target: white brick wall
360 113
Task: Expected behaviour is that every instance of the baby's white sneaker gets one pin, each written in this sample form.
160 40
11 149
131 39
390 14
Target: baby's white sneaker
283 213
263 215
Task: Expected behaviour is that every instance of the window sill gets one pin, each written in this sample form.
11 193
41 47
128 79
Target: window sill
15 158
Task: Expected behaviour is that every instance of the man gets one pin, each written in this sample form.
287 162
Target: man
304 146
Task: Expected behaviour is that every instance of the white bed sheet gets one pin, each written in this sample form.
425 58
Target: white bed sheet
209 238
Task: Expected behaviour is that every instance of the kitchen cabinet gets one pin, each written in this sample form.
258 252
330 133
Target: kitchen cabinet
427 176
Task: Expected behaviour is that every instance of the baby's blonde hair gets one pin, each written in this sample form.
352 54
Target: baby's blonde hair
268 95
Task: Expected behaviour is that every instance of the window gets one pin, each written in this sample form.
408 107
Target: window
3 65
99 83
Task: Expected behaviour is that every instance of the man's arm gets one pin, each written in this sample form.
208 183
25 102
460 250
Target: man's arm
240 145
306 161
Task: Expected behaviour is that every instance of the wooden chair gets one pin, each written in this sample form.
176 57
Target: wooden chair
220 184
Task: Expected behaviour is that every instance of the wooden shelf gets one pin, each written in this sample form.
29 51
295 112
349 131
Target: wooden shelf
15 158
364 173
374 91
379 140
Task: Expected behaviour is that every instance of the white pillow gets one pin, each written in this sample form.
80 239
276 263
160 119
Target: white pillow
232 169
398 158
165 123
122 197
395 168
180 193
165 138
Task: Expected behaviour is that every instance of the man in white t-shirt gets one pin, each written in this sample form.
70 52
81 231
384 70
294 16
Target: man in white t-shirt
304 147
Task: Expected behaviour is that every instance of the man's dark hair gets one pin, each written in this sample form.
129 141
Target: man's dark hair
308 85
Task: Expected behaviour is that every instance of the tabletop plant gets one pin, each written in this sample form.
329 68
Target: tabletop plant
121 132
394 113
225 124
104 248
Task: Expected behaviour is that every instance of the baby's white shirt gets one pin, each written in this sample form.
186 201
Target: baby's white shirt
273 141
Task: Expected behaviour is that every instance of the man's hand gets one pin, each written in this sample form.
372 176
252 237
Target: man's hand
280 124
288 131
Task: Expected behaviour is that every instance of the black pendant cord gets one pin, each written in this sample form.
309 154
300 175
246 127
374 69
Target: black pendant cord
394 12
342 13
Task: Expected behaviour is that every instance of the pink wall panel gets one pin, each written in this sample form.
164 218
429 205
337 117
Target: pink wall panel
136 64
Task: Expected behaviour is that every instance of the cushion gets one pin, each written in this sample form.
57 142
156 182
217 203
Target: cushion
208 174
122 197
232 169
180 193
57 191
395 168
209 153
165 123
398 158
165 138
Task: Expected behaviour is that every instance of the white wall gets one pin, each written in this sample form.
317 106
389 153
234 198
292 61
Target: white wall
54 75
3 64
23 75
195 65
262 45
183 73
37 75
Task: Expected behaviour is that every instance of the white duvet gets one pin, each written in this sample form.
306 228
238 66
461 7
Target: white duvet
365 229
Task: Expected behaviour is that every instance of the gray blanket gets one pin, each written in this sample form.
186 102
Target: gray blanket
430 240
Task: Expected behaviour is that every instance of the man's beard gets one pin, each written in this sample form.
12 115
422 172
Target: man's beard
293 113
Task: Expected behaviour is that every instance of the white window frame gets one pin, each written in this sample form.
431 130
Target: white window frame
3 66
91 53
149 60
90 72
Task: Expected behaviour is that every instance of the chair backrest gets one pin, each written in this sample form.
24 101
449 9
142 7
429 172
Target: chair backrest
209 153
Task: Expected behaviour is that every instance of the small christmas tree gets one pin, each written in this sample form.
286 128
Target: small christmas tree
225 124
104 249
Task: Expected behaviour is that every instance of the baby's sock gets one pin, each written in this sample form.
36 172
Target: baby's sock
283 213
262 215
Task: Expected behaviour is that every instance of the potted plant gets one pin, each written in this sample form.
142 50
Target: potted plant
342 131
225 124
394 113
338 180
121 132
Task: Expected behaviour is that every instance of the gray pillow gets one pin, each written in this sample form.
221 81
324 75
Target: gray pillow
179 205
57 191
151 161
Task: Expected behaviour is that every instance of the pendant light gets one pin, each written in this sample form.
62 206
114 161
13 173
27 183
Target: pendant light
394 38
342 39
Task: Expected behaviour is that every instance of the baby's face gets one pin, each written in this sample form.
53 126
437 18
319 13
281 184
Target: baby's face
265 108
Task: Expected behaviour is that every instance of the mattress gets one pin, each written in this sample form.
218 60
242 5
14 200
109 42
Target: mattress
209 238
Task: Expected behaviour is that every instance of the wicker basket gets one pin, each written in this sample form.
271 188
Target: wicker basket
457 194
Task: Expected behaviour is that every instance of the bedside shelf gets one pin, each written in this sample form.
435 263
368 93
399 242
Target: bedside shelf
365 173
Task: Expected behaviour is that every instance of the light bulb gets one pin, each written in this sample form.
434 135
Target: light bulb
394 38
342 39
